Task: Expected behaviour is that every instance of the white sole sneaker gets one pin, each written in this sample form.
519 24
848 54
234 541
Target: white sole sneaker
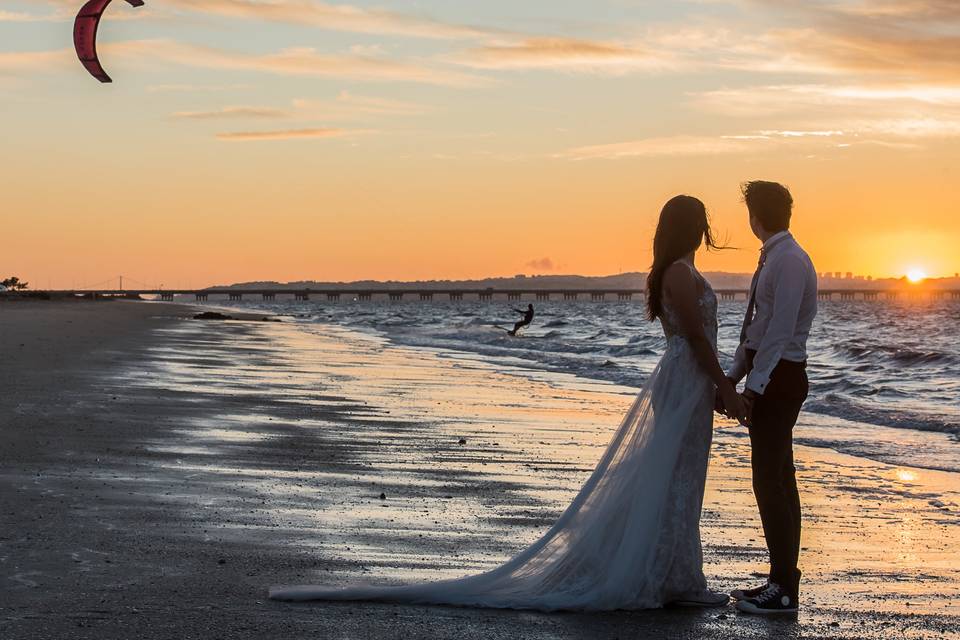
748 607
703 601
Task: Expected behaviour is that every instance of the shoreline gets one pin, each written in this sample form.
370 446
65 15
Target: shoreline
162 447
867 411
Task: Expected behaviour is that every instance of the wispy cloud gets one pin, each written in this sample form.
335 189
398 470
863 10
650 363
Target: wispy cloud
20 16
683 145
906 39
292 62
662 146
338 17
35 61
195 88
347 105
802 98
891 111
313 13
568 54
541 264
285 134
303 61
773 133
237 112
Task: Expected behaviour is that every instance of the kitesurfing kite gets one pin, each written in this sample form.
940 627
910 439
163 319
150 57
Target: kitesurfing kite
85 35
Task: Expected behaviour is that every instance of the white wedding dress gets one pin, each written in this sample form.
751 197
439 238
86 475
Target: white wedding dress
631 537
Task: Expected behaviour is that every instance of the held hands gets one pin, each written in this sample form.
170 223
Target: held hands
733 405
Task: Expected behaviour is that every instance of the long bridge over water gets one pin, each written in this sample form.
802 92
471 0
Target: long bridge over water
482 295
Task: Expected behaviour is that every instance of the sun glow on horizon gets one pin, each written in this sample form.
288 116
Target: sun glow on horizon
916 275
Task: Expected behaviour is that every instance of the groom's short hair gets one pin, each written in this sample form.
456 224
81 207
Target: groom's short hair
770 202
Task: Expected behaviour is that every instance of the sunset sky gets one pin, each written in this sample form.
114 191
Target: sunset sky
297 139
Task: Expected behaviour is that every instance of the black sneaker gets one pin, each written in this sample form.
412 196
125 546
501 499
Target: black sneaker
743 594
773 599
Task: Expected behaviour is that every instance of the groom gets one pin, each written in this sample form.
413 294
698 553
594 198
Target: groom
773 355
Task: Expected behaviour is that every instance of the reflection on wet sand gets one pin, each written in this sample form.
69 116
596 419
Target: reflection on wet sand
309 425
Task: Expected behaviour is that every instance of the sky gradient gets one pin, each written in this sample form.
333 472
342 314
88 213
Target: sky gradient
292 139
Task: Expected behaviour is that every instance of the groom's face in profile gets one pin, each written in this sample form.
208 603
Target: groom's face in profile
756 227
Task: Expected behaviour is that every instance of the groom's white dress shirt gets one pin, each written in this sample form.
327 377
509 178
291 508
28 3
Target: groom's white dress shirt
786 304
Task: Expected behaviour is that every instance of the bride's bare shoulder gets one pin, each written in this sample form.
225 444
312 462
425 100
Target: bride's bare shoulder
679 274
680 283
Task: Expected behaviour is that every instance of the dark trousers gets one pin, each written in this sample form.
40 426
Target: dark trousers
774 475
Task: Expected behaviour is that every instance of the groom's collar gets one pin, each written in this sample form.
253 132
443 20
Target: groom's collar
774 240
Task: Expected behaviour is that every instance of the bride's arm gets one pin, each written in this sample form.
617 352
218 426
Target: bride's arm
680 287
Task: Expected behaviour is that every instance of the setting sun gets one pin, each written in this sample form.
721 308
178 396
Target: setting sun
916 275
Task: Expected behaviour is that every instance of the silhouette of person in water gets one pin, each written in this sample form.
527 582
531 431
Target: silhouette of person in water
527 319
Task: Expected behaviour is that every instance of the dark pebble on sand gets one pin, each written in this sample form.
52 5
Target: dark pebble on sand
383 496
212 315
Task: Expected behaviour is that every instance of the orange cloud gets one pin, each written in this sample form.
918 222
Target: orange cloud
12 61
563 54
339 17
302 61
541 264
231 112
664 146
288 134
348 105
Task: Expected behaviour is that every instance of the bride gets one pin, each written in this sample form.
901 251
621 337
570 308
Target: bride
631 537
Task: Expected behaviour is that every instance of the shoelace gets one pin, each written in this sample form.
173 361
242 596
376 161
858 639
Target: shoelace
771 591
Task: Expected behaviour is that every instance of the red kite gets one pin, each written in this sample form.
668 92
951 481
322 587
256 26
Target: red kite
85 35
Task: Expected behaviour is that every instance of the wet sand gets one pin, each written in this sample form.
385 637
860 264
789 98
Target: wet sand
158 474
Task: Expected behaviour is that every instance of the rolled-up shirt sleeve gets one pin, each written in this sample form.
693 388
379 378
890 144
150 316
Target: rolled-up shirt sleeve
789 281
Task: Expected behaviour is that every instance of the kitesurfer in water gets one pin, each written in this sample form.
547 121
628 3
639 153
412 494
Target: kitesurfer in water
526 320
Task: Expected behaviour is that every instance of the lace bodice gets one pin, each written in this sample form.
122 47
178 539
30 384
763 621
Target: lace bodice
708 313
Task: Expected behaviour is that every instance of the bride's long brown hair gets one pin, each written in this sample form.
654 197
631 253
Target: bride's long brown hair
683 227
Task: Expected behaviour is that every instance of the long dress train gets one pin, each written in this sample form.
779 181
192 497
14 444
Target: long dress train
631 537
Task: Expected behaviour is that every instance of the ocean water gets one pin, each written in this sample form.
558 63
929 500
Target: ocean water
885 375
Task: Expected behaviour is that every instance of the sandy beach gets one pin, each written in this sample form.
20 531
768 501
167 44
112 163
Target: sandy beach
158 474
